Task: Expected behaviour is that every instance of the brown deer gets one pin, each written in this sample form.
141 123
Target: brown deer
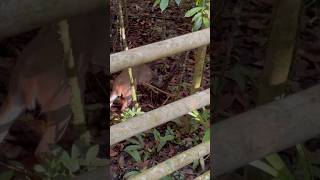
39 75
121 85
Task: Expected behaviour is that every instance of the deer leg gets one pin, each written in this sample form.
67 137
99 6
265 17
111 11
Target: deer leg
9 111
57 124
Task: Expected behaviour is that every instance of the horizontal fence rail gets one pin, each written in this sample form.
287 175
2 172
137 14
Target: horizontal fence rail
161 49
269 128
18 16
161 115
175 163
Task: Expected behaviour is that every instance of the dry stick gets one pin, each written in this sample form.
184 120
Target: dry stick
158 50
76 102
161 115
153 87
125 45
175 163
204 176
279 55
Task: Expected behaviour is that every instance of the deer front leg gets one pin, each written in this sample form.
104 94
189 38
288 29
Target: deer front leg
57 124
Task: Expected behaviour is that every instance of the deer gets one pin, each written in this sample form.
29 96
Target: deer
142 74
39 76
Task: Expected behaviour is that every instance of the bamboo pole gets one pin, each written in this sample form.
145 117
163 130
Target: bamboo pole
154 118
175 163
154 51
267 129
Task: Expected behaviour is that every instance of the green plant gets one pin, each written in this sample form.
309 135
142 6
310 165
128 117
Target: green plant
130 174
200 14
59 164
164 3
162 140
136 147
130 113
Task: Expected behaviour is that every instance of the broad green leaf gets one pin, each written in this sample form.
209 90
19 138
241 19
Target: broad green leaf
195 17
156 2
75 152
195 164
133 141
197 24
92 153
135 154
39 168
156 134
132 147
206 22
131 173
206 137
164 4
264 167
193 11
69 163
178 2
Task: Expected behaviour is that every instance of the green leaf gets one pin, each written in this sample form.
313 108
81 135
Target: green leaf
156 2
168 138
197 24
71 164
195 164
178 2
193 11
131 173
206 22
132 147
167 178
92 153
135 154
164 4
39 168
304 162
160 146
156 134
206 137
7 175
75 152
264 167
133 141
195 17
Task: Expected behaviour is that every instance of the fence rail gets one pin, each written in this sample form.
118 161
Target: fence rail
269 128
161 115
161 49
